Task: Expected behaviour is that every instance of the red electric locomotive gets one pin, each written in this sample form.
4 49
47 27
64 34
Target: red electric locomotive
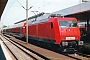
50 28
55 29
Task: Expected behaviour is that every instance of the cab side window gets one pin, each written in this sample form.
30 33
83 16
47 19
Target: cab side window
51 25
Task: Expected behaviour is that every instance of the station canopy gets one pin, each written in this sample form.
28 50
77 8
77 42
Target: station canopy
79 11
2 6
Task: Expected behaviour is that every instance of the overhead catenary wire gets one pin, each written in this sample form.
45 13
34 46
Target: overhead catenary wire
12 3
10 7
29 7
35 3
45 4
21 4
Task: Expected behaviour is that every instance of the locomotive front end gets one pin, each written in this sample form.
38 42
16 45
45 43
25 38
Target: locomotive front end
69 32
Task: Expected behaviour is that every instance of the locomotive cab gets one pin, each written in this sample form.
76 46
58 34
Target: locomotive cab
69 33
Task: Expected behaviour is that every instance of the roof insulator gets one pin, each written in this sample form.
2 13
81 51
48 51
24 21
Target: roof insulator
55 15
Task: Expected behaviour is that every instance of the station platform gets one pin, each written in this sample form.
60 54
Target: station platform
47 53
7 54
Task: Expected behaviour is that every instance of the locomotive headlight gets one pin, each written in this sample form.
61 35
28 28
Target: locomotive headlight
23 27
64 43
80 43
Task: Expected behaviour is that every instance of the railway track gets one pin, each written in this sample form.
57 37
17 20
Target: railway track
84 55
75 56
79 56
20 52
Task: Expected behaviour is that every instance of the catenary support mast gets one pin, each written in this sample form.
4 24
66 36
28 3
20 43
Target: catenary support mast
26 21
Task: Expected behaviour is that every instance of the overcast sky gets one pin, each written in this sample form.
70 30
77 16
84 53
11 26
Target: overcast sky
14 12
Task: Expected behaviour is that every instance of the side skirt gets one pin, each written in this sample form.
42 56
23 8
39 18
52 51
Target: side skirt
43 39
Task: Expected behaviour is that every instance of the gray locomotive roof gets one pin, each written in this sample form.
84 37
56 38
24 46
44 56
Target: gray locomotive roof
42 18
75 9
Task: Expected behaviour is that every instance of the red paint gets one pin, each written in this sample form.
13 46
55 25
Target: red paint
50 30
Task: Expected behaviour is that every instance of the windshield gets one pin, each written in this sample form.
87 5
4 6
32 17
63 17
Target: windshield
67 24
